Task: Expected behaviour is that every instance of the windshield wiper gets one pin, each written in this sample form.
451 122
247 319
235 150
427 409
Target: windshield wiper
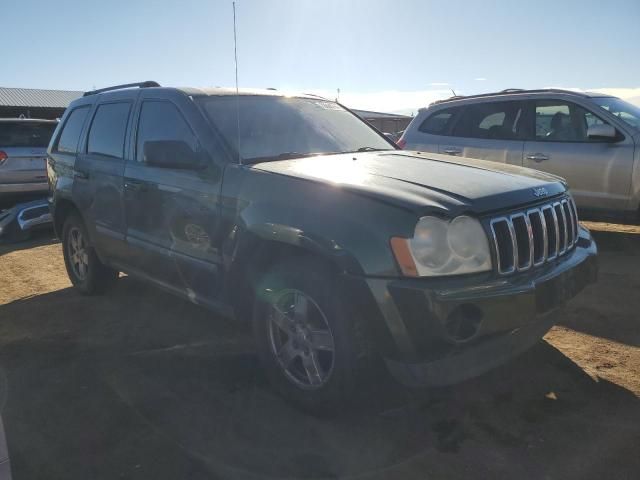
369 149
292 155
280 156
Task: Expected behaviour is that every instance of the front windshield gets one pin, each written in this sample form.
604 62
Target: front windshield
628 113
276 127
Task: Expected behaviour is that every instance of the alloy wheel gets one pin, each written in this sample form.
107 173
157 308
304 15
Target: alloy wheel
301 339
78 254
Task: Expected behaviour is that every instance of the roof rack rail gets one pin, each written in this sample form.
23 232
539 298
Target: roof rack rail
147 84
510 91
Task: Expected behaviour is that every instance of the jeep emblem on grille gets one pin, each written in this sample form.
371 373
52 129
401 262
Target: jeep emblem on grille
540 192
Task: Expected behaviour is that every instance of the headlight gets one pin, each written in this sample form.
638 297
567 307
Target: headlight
440 247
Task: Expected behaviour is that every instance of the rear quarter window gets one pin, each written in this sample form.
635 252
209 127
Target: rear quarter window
70 135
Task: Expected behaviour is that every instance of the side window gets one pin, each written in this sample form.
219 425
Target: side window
591 119
107 132
70 135
558 121
492 121
438 122
161 120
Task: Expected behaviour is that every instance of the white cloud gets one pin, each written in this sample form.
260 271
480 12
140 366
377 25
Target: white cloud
617 92
390 101
410 101
480 79
634 100
632 95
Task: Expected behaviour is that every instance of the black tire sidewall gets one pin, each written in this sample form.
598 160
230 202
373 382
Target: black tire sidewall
98 276
319 284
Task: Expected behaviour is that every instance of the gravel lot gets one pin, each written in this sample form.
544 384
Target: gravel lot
138 384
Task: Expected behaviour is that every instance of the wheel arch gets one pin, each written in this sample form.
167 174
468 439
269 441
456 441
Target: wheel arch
63 208
253 252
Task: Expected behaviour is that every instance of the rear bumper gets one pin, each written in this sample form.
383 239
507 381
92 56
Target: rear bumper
24 187
443 331
17 222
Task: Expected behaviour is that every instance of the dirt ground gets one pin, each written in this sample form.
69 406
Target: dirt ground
138 384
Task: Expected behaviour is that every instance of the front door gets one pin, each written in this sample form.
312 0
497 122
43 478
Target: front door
598 172
172 213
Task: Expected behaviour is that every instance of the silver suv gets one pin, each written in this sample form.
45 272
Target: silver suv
591 140
23 154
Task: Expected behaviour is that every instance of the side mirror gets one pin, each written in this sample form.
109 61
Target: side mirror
173 154
602 132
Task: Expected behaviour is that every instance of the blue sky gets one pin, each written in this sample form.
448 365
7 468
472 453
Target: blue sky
371 50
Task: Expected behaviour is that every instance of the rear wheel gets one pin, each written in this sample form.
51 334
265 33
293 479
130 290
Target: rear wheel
86 272
315 351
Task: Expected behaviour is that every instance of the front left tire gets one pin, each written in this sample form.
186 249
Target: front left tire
315 349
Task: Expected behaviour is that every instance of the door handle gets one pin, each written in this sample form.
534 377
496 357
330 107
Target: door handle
538 157
452 151
81 174
135 186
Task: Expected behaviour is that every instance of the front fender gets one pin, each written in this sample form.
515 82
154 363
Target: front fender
307 241
351 230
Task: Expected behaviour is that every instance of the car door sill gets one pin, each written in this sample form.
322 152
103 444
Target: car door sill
219 308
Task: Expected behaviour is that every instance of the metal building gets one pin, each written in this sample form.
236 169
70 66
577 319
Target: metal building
385 122
35 103
50 104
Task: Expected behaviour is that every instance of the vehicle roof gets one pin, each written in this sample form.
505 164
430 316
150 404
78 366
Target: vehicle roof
127 90
519 92
228 91
27 120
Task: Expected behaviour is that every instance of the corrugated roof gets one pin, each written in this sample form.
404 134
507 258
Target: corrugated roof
31 97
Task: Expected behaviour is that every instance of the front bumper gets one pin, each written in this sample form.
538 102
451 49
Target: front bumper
446 330
24 187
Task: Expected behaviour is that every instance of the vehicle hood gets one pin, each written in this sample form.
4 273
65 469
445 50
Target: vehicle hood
425 180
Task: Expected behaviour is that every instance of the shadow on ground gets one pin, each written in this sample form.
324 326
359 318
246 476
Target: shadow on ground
609 309
618 241
138 384
37 238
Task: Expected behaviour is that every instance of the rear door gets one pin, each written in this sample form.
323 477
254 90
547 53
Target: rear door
23 151
432 130
173 213
488 131
98 173
598 172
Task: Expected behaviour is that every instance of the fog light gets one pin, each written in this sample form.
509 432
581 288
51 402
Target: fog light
463 323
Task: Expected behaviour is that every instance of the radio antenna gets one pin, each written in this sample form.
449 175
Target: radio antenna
235 56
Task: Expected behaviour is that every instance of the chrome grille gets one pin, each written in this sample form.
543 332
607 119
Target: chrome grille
531 237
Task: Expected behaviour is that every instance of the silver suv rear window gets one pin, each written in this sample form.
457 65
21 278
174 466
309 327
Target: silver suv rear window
25 134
